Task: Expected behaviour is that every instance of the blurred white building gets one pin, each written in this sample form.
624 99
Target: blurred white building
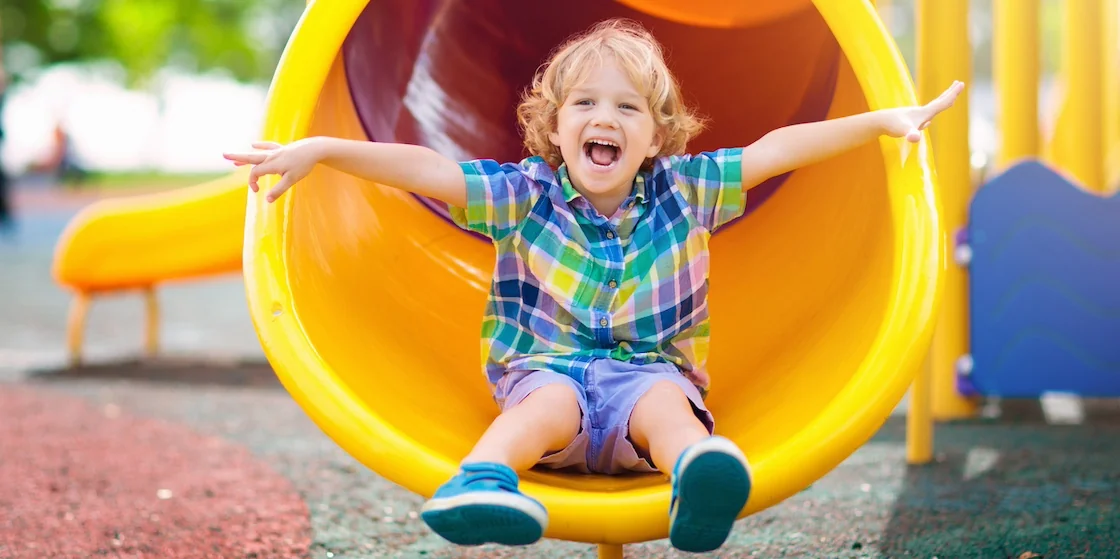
184 122
181 124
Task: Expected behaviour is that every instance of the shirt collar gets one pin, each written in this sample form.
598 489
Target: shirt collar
570 193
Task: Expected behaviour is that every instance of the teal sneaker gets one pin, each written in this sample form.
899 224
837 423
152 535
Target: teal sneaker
711 484
482 504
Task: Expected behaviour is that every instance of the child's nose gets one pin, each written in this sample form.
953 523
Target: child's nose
604 117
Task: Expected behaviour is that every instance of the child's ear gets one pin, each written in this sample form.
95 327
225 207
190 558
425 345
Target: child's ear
657 143
554 137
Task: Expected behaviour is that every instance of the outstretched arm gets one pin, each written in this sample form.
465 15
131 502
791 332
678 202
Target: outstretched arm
798 145
416 169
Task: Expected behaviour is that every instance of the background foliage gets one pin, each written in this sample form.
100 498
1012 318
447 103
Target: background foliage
243 38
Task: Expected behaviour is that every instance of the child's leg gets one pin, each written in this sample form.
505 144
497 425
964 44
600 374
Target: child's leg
542 413
545 421
663 424
710 476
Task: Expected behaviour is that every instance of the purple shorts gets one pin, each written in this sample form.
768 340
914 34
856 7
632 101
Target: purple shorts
606 398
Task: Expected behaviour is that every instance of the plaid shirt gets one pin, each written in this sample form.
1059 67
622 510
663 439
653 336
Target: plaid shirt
571 286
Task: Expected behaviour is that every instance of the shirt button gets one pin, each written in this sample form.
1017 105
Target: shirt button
610 234
602 322
613 284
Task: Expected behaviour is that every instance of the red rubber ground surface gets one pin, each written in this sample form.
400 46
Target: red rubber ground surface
78 481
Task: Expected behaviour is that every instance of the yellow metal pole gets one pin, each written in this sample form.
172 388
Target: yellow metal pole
919 414
151 322
1110 71
945 54
610 551
919 419
1015 69
1083 31
76 326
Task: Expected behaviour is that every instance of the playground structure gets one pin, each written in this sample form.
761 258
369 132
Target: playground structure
820 360
1027 308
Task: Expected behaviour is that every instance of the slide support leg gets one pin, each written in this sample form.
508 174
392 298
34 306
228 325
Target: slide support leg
76 326
610 551
151 326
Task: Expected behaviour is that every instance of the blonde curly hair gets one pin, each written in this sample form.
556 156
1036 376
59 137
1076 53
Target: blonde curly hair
640 56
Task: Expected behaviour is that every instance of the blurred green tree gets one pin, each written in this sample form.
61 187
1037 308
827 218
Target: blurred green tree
243 38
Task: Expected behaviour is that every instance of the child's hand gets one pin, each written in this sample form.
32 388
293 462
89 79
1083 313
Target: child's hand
910 121
292 162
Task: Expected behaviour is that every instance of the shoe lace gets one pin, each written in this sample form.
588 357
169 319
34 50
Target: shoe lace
503 479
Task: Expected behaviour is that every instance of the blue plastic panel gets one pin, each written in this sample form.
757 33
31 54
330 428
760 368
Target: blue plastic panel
1045 286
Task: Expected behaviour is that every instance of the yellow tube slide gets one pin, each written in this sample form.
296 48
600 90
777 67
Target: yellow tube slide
368 301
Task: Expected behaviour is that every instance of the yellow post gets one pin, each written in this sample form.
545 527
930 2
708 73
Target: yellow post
919 419
610 551
1015 69
944 55
1083 31
76 326
151 322
1110 71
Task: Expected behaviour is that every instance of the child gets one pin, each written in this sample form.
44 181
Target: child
597 321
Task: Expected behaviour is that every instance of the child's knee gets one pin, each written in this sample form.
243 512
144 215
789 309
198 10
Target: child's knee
553 398
667 403
667 396
555 412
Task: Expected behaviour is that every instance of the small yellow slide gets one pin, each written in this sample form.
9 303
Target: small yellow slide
368 300
138 241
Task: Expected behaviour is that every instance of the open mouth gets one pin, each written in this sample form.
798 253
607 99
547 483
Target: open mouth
602 153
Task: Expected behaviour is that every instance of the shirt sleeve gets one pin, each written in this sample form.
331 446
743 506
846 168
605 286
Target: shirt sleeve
499 197
711 183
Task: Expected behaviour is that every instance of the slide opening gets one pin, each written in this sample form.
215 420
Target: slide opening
391 294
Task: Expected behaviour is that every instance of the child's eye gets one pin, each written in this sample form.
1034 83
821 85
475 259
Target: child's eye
583 102
628 106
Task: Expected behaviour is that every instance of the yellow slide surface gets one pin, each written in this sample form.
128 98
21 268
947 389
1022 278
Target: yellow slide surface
368 301
138 241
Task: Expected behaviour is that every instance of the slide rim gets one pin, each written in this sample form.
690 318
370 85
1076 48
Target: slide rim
841 427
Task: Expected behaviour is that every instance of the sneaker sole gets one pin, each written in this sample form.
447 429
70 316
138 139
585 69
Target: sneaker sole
485 517
711 495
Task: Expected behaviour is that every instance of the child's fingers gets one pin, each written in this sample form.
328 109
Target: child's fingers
280 187
259 171
246 158
947 97
265 145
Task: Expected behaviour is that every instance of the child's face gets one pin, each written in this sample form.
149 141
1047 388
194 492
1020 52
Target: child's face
605 108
